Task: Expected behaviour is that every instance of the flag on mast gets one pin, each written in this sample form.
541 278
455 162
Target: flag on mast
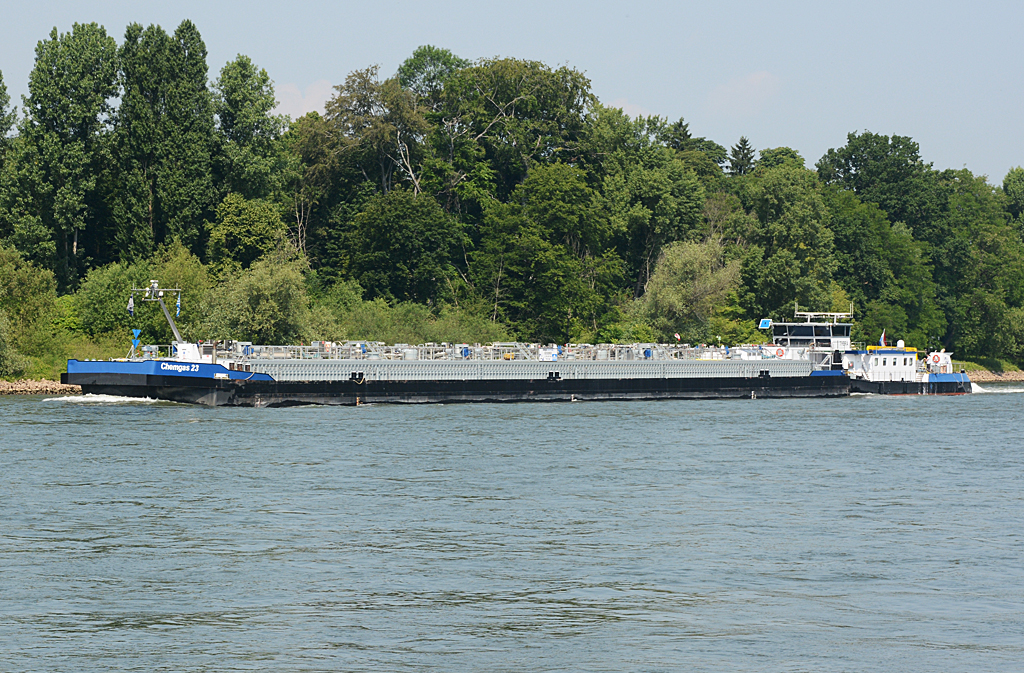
678 338
881 342
177 311
131 305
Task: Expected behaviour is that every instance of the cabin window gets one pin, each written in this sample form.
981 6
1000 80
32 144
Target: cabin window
883 362
875 362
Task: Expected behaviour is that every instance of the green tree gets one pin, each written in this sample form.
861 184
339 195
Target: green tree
791 256
541 263
1013 187
21 212
780 156
979 263
884 271
691 280
244 231
65 111
323 190
651 196
512 115
426 72
887 171
309 171
247 129
741 157
7 118
381 125
12 363
101 302
266 304
727 221
27 296
402 247
139 123
702 156
186 190
163 138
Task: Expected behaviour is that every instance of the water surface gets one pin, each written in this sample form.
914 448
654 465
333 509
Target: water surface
870 533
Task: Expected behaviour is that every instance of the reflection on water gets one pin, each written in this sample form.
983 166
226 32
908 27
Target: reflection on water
872 533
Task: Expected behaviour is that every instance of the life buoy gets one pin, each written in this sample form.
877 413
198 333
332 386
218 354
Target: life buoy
779 352
936 358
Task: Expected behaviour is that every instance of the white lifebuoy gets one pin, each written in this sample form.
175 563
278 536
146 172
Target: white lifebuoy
935 358
779 352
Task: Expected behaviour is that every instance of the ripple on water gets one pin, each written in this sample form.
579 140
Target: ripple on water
871 533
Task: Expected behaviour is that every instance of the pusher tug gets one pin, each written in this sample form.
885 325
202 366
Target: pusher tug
806 359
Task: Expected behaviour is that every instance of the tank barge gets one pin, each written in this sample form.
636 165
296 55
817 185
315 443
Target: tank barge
806 359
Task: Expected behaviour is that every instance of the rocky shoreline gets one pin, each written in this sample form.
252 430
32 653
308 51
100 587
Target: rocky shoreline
44 387
985 376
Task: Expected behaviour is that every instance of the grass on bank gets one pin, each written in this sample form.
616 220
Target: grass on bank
994 365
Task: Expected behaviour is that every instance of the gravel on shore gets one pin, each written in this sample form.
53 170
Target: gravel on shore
984 376
44 387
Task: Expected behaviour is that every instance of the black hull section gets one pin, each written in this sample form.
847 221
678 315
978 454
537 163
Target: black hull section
910 387
289 393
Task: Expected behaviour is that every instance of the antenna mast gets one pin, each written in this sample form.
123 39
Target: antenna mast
155 293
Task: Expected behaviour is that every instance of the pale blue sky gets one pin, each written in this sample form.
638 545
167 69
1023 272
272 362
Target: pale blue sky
800 74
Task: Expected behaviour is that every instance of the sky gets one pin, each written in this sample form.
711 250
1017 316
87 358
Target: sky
785 73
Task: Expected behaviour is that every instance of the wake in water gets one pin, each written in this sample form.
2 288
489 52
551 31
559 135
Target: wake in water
996 389
102 399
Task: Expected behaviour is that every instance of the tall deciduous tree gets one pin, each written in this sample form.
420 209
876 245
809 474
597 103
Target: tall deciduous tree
244 231
69 92
542 265
774 157
308 174
513 115
163 139
690 281
792 253
979 263
187 188
702 156
884 271
426 72
1013 187
248 130
402 246
381 126
143 73
7 117
652 197
887 171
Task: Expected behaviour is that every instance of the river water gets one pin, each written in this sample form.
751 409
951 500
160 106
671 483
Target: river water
869 533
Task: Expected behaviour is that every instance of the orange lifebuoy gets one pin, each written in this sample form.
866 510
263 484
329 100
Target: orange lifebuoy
779 352
936 358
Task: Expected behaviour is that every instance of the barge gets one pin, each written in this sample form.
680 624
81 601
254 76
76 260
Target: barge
812 358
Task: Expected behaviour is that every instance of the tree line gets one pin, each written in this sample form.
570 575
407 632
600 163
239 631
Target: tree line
461 200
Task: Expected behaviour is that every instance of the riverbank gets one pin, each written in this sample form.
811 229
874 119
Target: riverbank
43 387
985 376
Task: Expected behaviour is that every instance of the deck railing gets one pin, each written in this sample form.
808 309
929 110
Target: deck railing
509 351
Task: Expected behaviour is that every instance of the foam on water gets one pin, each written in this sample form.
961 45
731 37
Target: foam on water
997 389
102 399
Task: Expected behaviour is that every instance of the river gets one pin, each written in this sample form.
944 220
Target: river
861 534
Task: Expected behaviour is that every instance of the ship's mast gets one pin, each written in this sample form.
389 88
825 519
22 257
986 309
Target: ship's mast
155 293
818 315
